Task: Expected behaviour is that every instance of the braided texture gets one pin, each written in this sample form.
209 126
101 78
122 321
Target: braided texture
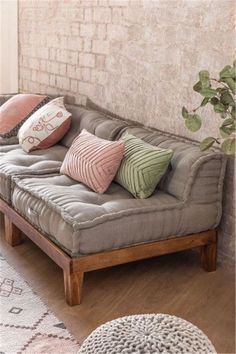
147 334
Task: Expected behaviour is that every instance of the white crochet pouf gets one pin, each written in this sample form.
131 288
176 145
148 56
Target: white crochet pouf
147 334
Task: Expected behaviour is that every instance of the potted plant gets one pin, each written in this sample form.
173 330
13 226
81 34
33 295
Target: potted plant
220 94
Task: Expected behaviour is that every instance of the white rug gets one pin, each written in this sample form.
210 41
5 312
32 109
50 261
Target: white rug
26 324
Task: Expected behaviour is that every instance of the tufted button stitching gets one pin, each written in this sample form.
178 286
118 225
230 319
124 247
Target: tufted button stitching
32 212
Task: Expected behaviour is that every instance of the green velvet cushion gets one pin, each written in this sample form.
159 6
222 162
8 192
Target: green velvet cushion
142 167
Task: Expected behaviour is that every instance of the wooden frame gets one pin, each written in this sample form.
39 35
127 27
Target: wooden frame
74 268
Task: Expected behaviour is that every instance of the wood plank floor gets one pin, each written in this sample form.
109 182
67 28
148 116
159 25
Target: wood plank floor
173 284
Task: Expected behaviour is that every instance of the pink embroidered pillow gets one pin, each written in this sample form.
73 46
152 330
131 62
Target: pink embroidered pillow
93 161
45 127
15 111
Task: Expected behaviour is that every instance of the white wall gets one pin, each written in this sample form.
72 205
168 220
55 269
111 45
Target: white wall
8 46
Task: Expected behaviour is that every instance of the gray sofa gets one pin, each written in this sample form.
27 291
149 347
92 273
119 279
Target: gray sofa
82 230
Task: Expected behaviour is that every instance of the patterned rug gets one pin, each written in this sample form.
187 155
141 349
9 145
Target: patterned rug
26 324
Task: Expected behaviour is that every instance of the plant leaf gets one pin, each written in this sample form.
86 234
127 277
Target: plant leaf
214 100
228 121
226 72
234 63
233 112
233 73
193 122
184 112
220 108
223 115
204 101
225 132
204 78
228 146
203 75
226 98
208 92
207 143
197 87
227 127
231 83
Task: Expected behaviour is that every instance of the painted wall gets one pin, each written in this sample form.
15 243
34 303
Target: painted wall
8 46
138 58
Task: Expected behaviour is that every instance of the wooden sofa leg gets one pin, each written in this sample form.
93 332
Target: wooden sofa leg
73 283
12 233
209 257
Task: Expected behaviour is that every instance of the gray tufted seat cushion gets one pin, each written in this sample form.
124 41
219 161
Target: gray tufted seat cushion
83 222
14 161
8 147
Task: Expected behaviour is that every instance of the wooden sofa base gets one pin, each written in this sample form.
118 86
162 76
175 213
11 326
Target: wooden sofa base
74 268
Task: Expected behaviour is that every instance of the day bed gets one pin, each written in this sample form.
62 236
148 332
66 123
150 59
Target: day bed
83 231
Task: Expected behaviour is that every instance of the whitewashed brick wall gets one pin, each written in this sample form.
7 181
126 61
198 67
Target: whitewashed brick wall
138 58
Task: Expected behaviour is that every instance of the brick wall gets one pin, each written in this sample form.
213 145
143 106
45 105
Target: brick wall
138 58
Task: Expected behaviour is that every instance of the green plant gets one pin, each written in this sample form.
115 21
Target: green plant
220 93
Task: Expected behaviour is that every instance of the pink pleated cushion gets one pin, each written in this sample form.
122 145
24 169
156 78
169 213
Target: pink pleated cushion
93 161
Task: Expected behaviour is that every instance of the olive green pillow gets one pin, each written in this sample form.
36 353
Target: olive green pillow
142 167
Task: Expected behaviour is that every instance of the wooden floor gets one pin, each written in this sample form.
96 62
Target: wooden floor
173 284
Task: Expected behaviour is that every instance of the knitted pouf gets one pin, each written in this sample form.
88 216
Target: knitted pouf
147 334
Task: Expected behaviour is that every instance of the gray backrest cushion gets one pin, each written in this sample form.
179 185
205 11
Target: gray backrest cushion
9 141
95 107
4 98
193 175
94 122
74 130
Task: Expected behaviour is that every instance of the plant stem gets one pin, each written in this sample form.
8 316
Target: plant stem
195 109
